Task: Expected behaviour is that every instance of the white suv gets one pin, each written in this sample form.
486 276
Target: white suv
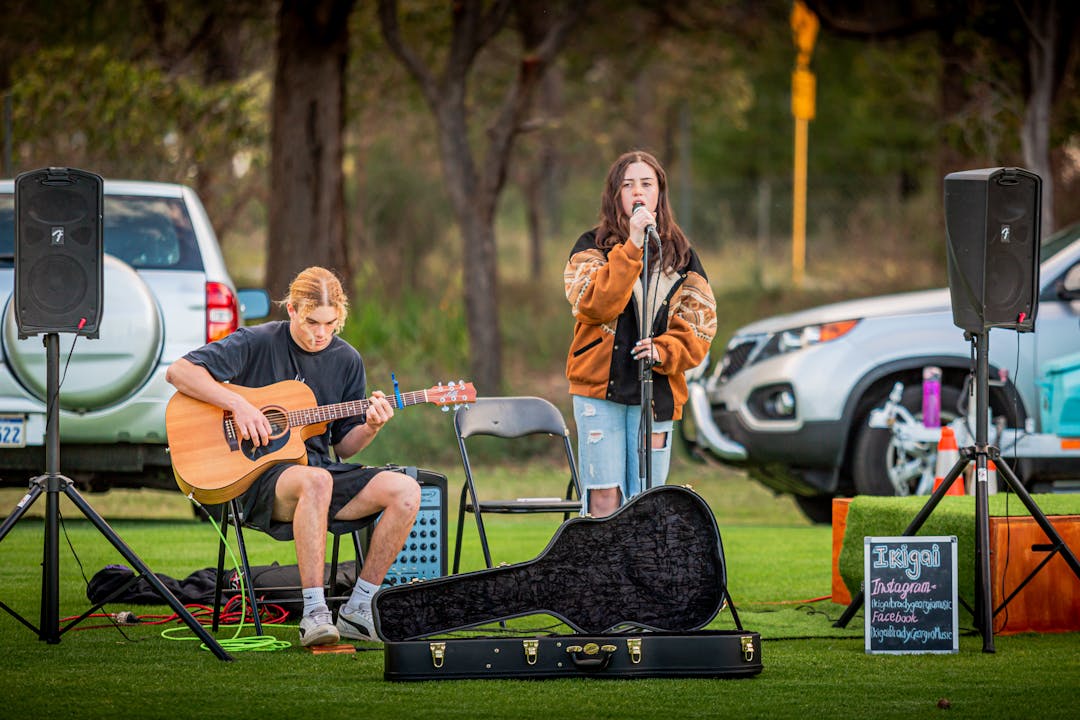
791 399
166 291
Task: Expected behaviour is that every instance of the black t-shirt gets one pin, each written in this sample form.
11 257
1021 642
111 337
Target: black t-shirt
265 354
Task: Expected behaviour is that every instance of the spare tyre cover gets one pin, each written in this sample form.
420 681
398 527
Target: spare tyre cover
104 371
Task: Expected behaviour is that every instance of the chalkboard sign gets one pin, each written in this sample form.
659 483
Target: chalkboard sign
910 591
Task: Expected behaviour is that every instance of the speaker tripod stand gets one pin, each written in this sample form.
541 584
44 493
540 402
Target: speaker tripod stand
51 484
981 453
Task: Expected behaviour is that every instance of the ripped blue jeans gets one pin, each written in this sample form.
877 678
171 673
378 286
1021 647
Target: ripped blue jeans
608 435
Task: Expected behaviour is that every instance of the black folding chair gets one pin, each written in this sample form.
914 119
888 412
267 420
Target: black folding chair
510 417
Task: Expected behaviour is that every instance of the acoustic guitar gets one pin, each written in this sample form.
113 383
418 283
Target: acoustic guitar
214 464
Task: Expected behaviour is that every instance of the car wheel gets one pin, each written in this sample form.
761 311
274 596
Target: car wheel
877 454
818 508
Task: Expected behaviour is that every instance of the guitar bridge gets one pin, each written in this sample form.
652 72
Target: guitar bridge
228 430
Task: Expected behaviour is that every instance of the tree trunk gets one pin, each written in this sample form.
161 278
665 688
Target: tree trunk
474 209
1049 33
954 97
539 179
474 187
307 207
482 300
1035 138
534 202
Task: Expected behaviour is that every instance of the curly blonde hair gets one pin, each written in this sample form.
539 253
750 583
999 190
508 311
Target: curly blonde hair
317 287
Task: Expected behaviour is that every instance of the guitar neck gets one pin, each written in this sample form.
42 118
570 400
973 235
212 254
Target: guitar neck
336 411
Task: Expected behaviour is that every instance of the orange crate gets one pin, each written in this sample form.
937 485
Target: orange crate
1050 602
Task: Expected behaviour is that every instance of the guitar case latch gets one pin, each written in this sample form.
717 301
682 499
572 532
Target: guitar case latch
633 646
438 653
532 649
747 648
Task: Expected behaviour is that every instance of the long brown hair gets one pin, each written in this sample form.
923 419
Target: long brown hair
614 227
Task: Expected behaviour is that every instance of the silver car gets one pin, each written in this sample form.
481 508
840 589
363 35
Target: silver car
165 291
791 398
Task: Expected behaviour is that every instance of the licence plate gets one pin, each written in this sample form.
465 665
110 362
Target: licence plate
12 431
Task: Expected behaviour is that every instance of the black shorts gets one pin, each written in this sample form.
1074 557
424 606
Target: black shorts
349 480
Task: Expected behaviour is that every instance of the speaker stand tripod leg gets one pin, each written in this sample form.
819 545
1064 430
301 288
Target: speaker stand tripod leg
984 609
1040 517
20 509
141 567
27 501
50 574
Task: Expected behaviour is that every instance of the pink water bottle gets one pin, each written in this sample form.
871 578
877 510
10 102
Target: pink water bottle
931 396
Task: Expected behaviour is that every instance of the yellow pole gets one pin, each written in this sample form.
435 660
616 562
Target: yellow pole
798 212
804 26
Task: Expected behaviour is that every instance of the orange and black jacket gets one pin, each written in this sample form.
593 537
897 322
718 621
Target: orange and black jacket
604 290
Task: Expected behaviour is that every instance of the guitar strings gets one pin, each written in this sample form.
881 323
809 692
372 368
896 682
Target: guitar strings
325 413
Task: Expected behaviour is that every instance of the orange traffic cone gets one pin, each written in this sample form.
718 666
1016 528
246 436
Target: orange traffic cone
947 455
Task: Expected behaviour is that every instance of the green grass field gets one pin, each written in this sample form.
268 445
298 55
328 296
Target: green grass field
779 571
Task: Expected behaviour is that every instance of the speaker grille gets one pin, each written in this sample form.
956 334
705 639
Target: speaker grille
58 285
53 204
58 252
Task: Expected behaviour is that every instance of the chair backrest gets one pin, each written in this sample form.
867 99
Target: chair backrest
509 417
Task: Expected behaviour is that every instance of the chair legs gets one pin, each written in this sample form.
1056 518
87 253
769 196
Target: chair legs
460 528
479 528
231 515
219 576
233 509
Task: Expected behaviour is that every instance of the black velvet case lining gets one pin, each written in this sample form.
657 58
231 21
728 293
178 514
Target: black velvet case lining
656 563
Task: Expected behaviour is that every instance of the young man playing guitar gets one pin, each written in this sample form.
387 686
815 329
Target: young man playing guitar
292 500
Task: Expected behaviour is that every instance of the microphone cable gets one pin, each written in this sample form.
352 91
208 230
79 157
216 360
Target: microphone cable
250 643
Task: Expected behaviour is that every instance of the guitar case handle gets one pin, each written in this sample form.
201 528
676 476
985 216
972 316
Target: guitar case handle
591 657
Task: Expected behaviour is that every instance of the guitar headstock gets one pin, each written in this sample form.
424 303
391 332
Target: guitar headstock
453 393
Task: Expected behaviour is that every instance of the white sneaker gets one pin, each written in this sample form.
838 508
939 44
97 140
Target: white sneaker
357 625
318 628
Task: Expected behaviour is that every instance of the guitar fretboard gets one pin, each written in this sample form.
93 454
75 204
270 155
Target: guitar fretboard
336 411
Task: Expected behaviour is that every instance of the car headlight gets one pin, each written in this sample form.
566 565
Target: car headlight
804 337
773 402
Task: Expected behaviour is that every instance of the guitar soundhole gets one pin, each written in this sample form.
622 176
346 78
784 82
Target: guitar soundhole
279 422
279 435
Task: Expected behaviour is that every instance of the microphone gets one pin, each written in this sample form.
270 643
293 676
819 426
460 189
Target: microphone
649 229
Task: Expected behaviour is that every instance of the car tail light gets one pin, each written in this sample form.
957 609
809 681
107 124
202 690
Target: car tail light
222 311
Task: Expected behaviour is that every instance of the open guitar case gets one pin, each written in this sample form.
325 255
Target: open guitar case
636 587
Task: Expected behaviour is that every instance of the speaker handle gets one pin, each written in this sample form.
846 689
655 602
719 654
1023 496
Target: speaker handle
56 176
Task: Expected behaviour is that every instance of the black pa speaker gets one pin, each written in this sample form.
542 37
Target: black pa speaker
58 252
992 223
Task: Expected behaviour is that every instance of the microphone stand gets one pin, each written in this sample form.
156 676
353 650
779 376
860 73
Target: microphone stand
645 375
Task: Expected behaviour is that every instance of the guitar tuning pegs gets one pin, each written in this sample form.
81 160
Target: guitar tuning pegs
451 384
461 383
446 408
